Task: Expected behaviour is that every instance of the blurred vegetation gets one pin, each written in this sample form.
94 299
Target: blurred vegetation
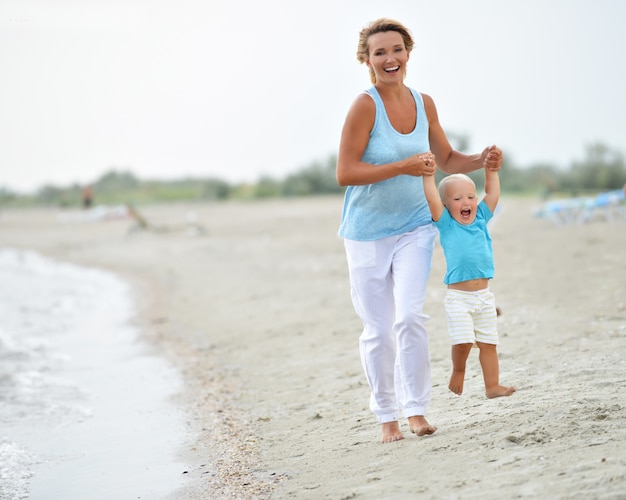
602 169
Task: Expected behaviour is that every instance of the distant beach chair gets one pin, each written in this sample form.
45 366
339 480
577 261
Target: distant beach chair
607 206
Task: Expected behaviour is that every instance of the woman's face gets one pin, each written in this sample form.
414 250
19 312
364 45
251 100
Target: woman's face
461 201
387 56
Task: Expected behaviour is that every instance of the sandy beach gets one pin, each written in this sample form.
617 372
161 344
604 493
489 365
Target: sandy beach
256 315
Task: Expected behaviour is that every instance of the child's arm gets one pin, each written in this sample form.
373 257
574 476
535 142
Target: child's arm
492 189
432 196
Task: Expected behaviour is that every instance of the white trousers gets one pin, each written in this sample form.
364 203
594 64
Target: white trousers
388 286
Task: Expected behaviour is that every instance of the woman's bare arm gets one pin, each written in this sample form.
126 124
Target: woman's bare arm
351 171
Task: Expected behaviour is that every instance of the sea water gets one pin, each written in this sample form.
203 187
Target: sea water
85 410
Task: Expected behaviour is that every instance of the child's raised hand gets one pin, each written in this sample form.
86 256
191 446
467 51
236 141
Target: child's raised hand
492 158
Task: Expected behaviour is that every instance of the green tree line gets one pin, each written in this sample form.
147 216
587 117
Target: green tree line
601 169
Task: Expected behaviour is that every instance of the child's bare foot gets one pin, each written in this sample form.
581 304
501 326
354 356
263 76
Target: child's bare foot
499 391
420 427
391 432
456 382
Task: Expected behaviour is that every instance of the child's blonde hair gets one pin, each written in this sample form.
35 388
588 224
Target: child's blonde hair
453 177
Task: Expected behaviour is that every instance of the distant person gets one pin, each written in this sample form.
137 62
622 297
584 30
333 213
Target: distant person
385 148
470 305
87 197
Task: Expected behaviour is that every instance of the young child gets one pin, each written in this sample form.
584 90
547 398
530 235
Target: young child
470 306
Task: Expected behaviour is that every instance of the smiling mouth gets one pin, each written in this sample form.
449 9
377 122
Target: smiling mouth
392 70
466 213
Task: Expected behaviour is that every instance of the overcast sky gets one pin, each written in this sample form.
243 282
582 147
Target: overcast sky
240 89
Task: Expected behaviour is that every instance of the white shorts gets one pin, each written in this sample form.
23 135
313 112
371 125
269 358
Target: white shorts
471 316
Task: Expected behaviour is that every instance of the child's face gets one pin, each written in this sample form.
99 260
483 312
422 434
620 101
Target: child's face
461 201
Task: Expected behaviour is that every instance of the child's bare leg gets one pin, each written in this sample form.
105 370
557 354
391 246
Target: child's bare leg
491 372
420 426
460 352
391 432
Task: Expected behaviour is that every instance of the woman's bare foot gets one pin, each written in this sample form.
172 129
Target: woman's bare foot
499 391
420 427
456 382
391 432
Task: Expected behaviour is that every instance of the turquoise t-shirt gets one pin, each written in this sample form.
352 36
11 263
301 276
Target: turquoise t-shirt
467 248
393 206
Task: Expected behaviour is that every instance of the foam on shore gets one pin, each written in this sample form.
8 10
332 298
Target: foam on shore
85 411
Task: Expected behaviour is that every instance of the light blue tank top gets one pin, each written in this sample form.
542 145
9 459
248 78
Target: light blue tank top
393 206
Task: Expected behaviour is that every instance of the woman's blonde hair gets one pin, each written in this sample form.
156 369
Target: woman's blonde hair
381 25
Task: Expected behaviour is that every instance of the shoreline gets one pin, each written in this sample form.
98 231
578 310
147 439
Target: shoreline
82 400
256 314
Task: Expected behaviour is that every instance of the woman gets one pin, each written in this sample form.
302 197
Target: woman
390 138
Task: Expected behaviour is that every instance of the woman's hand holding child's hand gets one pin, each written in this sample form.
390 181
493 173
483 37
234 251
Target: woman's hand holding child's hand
492 158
